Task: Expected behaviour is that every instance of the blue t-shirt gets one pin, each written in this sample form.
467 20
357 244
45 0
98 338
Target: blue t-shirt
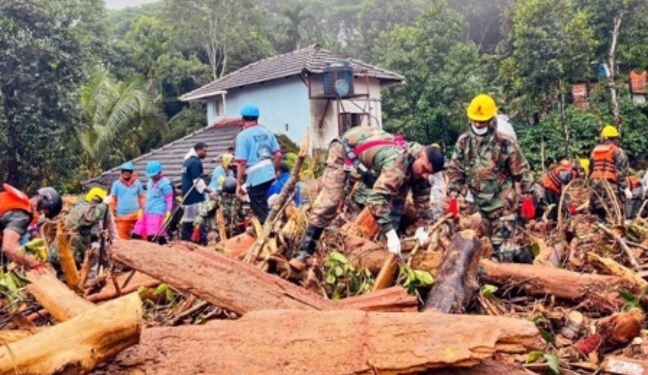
256 145
278 185
218 172
127 196
156 195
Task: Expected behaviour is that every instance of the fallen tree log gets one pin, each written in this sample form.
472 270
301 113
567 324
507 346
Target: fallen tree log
394 299
55 297
9 336
596 291
328 342
79 344
456 280
217 279
137 281
488 367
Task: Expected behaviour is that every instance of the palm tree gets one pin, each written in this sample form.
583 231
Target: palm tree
120 118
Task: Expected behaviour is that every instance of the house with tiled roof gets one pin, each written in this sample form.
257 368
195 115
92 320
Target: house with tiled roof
307 88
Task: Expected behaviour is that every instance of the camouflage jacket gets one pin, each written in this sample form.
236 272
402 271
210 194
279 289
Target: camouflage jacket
490 166
391 165
87 218
229 204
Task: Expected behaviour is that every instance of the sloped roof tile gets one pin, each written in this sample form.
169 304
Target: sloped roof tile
311 59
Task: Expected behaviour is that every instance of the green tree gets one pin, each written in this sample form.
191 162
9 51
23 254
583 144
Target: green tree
442 73
123 121
43 62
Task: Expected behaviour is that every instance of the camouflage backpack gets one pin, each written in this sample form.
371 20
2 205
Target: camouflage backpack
85 215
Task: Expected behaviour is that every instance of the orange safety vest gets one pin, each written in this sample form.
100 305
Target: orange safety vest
551 180
603 167
633 182
13 199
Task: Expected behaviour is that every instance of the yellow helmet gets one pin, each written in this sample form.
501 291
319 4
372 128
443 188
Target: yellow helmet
609 131
585 164
96 192
226 159
482 108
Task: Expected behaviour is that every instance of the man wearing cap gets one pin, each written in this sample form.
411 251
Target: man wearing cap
609 168
490 164
257 155
389 166
126 200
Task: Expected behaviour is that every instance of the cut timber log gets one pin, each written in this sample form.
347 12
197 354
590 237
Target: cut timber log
238 246
328 342
387 273
394 299
217 279
597 291
61 302
78 345
456 280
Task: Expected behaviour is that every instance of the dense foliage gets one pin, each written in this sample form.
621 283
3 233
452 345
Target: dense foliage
82 88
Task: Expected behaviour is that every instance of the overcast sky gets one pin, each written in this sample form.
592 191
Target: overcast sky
119 4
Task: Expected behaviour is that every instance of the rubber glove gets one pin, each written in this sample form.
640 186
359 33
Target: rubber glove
453 207
393 243
139 214
572 210
628 193
195 236
421 235
527 211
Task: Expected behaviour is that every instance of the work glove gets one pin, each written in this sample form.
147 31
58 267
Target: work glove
36 248
628 193
527 210
453 207
421 235
195 236
393 243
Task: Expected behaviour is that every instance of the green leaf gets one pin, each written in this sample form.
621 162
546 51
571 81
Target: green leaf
330 279
489 290
337 270
424 277
547 336
160 290
628 297
553 362
534 356
535 249
338 257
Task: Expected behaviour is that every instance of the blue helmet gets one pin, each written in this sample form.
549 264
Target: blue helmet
153 168
250 110
128 166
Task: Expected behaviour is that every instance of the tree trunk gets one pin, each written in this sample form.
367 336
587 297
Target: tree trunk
611 80
596 291
488 367
61 302
138 280
456 280
394 299
219 280
78 345
66 257
333 342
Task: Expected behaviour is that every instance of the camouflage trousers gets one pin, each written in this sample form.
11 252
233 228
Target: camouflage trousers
600 200
326 205
500 225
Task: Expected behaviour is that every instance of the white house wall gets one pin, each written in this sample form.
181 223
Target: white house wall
283 105
322 135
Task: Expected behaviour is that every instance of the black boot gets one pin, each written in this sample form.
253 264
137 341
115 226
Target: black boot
186 230
307 247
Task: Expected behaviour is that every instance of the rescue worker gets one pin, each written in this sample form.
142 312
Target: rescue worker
490 164
231 207
159 204
222 170
257 155
193 192
608 168
17 213
389 166
634 204
126 200
90 223
551 187
283 175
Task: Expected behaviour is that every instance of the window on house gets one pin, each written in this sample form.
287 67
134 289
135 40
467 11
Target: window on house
347 121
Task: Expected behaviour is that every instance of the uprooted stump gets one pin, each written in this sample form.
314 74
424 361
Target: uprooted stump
328 342
456 281
79 344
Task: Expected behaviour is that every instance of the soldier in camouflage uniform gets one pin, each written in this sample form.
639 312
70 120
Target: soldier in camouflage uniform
490 164
389 166
229 204
608 167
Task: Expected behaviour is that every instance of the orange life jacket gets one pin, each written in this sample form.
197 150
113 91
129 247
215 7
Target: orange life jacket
633 182
14 199
551 180
603 162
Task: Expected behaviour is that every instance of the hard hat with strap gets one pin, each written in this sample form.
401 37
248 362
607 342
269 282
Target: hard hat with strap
609 131
482 108
603 166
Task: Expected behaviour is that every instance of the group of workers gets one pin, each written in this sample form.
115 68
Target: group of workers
486 165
